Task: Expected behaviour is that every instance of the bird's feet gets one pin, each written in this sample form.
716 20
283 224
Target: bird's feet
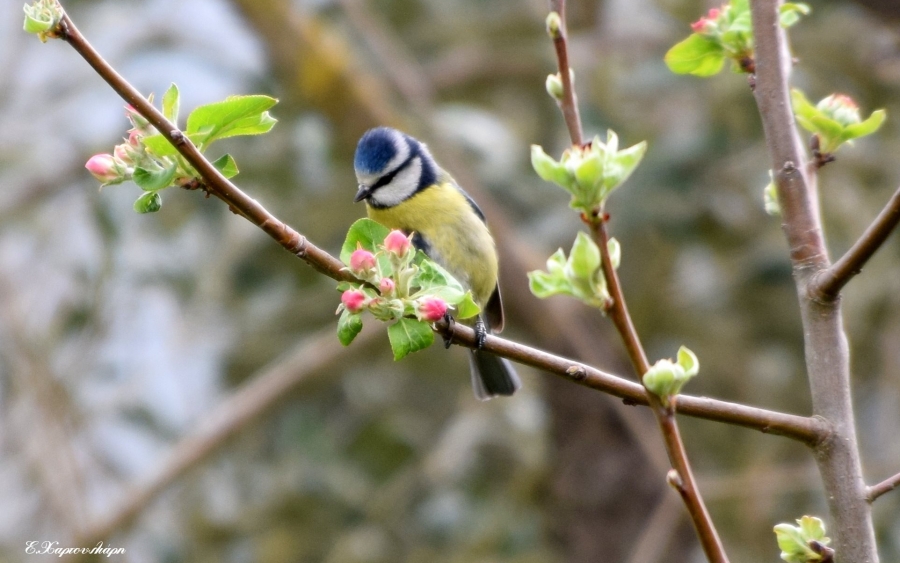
448 336
480 334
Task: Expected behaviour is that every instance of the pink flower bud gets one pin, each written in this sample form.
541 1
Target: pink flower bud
397 242
134 137
704 26
840 108
362 261
124 153
354 300
713 14
386 286
432 309
103 167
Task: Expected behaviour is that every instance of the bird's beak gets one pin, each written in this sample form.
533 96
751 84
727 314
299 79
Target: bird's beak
363 193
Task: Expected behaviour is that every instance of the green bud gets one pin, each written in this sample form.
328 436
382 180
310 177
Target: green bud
554 24
803 543
666 378
770 198
149 202
554 86
42 17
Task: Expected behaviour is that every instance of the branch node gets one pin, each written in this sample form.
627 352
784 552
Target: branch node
177 137
674 480
578 373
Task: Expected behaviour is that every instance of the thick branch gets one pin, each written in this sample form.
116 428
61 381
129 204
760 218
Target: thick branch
827 354
885 486
828 283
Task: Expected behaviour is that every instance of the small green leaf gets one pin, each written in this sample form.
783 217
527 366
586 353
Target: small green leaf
585 257
688 361
790 13
368 233
171 103
226 165
550 170
544 285
149 202
802 106
697 55
827 127
236 115
867 127
154 179
349 326
409 335
432 276
467 308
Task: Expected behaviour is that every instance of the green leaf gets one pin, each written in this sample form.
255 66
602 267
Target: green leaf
467 308
432 276
802 106
544 285
550 170
584 261
790 12
151 180
160 146
349 326
409 335
688 361
170 104
827 126
368 233
149 202
226 165
867 127
236 115
697 55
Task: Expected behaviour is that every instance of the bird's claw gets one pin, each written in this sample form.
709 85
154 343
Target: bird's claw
480 334
448 336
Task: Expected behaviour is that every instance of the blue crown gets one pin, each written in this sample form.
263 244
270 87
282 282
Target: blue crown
375 150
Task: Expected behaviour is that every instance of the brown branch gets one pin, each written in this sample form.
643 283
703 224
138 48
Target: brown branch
828 283
827 355
568 103
665 414
217 184
885 486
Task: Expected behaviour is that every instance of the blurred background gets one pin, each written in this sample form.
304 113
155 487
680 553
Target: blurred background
171 383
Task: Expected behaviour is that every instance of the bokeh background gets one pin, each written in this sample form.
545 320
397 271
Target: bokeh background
171 383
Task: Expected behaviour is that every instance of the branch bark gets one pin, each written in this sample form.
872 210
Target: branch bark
827 355
885 486
828 283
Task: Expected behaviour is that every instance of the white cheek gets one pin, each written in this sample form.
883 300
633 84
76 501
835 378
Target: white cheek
401 187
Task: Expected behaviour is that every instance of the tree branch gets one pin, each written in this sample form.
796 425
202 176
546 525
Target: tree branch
568 104
827 355
828 283
885 486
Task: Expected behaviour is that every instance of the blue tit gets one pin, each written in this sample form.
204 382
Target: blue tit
405 189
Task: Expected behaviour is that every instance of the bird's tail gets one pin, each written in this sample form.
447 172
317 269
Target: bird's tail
492 375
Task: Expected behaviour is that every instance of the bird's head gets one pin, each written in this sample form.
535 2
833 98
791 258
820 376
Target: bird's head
391 167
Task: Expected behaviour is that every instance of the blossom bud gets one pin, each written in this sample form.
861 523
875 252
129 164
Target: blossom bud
397 242
432 309
386 286
354 300
140 123
840 108
104 167
362 261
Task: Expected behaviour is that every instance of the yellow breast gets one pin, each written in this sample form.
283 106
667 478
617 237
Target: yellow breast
458 239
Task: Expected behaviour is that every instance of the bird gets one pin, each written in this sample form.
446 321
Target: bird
405 189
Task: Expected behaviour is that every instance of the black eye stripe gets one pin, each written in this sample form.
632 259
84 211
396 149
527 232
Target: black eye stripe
387 178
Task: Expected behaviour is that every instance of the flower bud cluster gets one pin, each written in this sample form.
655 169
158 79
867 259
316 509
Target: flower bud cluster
833 121
392 291
42 17
804 543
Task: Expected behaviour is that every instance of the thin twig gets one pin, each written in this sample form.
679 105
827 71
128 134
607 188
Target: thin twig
568 103
618 313
215 182
665 414
885 486
828 283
